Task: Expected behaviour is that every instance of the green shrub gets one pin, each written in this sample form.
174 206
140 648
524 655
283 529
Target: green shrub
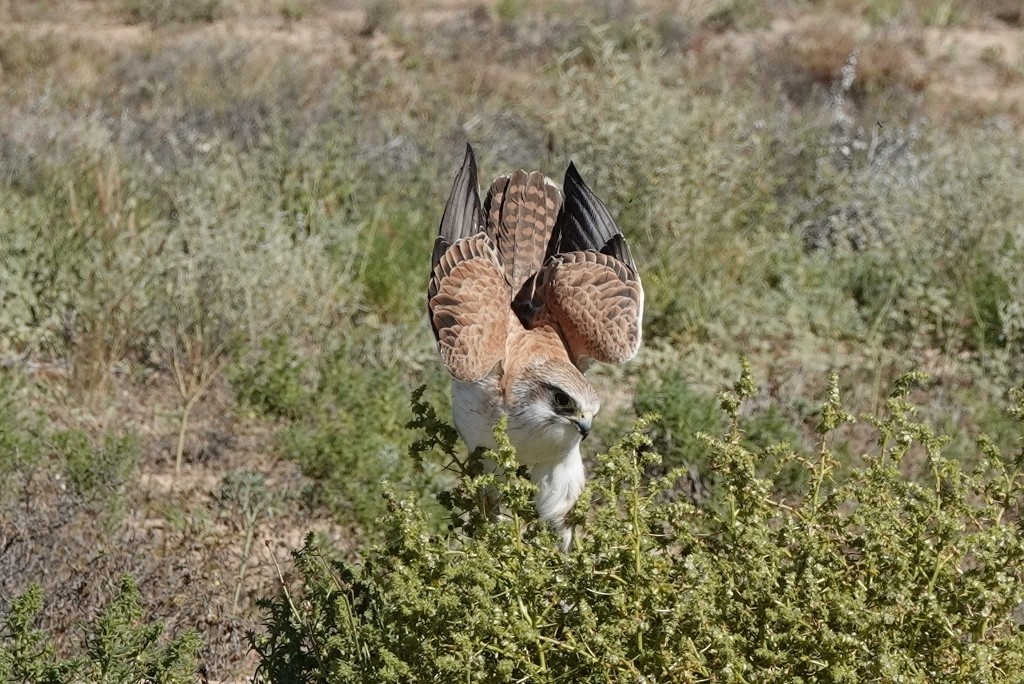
390 269
118 647
509 10
871 578
70 251
344 425
685 414
97 472
272 380
23 53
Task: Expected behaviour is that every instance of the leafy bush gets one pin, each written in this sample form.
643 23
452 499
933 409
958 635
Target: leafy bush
875 578
868 577
118 647
272 381
97 472
685 414
74 260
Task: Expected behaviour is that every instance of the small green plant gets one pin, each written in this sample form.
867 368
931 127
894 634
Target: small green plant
246 492
271 380
119 647
942 13
389 269
98 473
684 414
865 577
92 471
509 10
292 11
341 425
20 448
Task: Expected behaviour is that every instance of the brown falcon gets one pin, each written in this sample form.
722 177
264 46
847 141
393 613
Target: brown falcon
526 289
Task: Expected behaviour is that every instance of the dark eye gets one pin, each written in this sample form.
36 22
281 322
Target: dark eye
562 399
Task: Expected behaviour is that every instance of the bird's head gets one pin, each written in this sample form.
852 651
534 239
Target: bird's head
551 407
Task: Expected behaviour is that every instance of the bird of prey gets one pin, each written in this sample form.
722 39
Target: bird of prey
526 289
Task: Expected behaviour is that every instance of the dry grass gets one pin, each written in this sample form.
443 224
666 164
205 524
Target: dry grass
183 181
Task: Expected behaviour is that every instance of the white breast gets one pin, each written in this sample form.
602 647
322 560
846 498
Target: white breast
550 447
475 411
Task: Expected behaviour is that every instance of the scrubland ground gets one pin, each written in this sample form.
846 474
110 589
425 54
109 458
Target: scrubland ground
216 215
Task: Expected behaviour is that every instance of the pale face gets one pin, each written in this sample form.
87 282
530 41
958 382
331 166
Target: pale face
551 407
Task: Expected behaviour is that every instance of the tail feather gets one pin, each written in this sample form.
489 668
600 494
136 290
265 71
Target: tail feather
521 210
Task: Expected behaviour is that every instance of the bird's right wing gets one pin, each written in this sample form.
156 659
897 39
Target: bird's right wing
467 297
589 285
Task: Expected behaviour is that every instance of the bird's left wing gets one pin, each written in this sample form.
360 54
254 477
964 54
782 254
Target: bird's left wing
589 285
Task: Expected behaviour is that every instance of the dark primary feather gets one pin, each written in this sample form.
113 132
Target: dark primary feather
584 223
463 215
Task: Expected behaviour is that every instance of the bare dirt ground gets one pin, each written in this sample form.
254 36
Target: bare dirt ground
182 534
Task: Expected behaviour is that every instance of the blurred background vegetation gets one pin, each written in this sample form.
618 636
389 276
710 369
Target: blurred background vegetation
215 219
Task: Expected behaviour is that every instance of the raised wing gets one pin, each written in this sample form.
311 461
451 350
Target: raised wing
467 297
589 286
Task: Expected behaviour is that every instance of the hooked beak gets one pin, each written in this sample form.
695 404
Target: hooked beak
583 425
